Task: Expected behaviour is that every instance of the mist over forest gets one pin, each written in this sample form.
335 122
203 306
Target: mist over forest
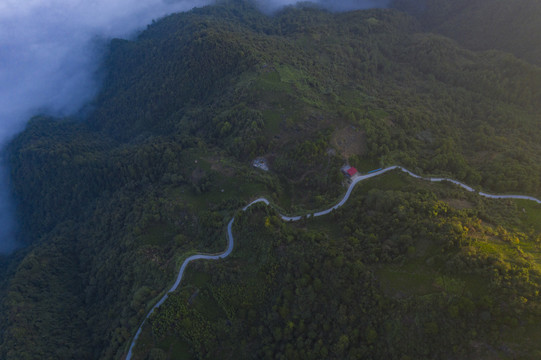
50 53
51 50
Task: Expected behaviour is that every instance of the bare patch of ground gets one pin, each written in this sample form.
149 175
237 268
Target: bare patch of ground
197 175
459 204
218 165
349 141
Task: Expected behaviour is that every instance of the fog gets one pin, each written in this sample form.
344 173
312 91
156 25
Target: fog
50 51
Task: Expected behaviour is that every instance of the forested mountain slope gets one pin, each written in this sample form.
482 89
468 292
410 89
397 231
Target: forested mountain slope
512 26
110 204
403 270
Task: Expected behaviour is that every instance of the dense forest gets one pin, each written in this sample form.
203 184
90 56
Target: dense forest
112 200
483 24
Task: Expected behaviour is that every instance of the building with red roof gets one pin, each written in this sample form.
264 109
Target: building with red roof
351 171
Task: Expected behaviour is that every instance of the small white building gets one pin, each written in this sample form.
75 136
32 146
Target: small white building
260 163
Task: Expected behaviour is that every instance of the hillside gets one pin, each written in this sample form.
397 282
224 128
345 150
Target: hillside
511 26
403 270
111 203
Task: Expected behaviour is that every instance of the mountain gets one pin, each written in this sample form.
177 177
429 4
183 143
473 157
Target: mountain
511 26
110 204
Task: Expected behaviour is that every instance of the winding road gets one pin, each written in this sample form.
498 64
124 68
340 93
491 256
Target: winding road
355 180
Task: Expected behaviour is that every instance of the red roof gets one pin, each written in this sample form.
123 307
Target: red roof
352 171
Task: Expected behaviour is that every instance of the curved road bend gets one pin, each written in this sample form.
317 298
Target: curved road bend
355 181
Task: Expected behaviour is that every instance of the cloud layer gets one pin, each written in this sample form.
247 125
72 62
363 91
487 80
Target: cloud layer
50 52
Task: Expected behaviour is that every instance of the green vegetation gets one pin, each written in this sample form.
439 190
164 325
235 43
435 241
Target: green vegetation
111 204
405 275
484 24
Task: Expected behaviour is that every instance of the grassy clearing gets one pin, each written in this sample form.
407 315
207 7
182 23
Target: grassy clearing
273 119
398 282
196 278
393 180
530 214
270 81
